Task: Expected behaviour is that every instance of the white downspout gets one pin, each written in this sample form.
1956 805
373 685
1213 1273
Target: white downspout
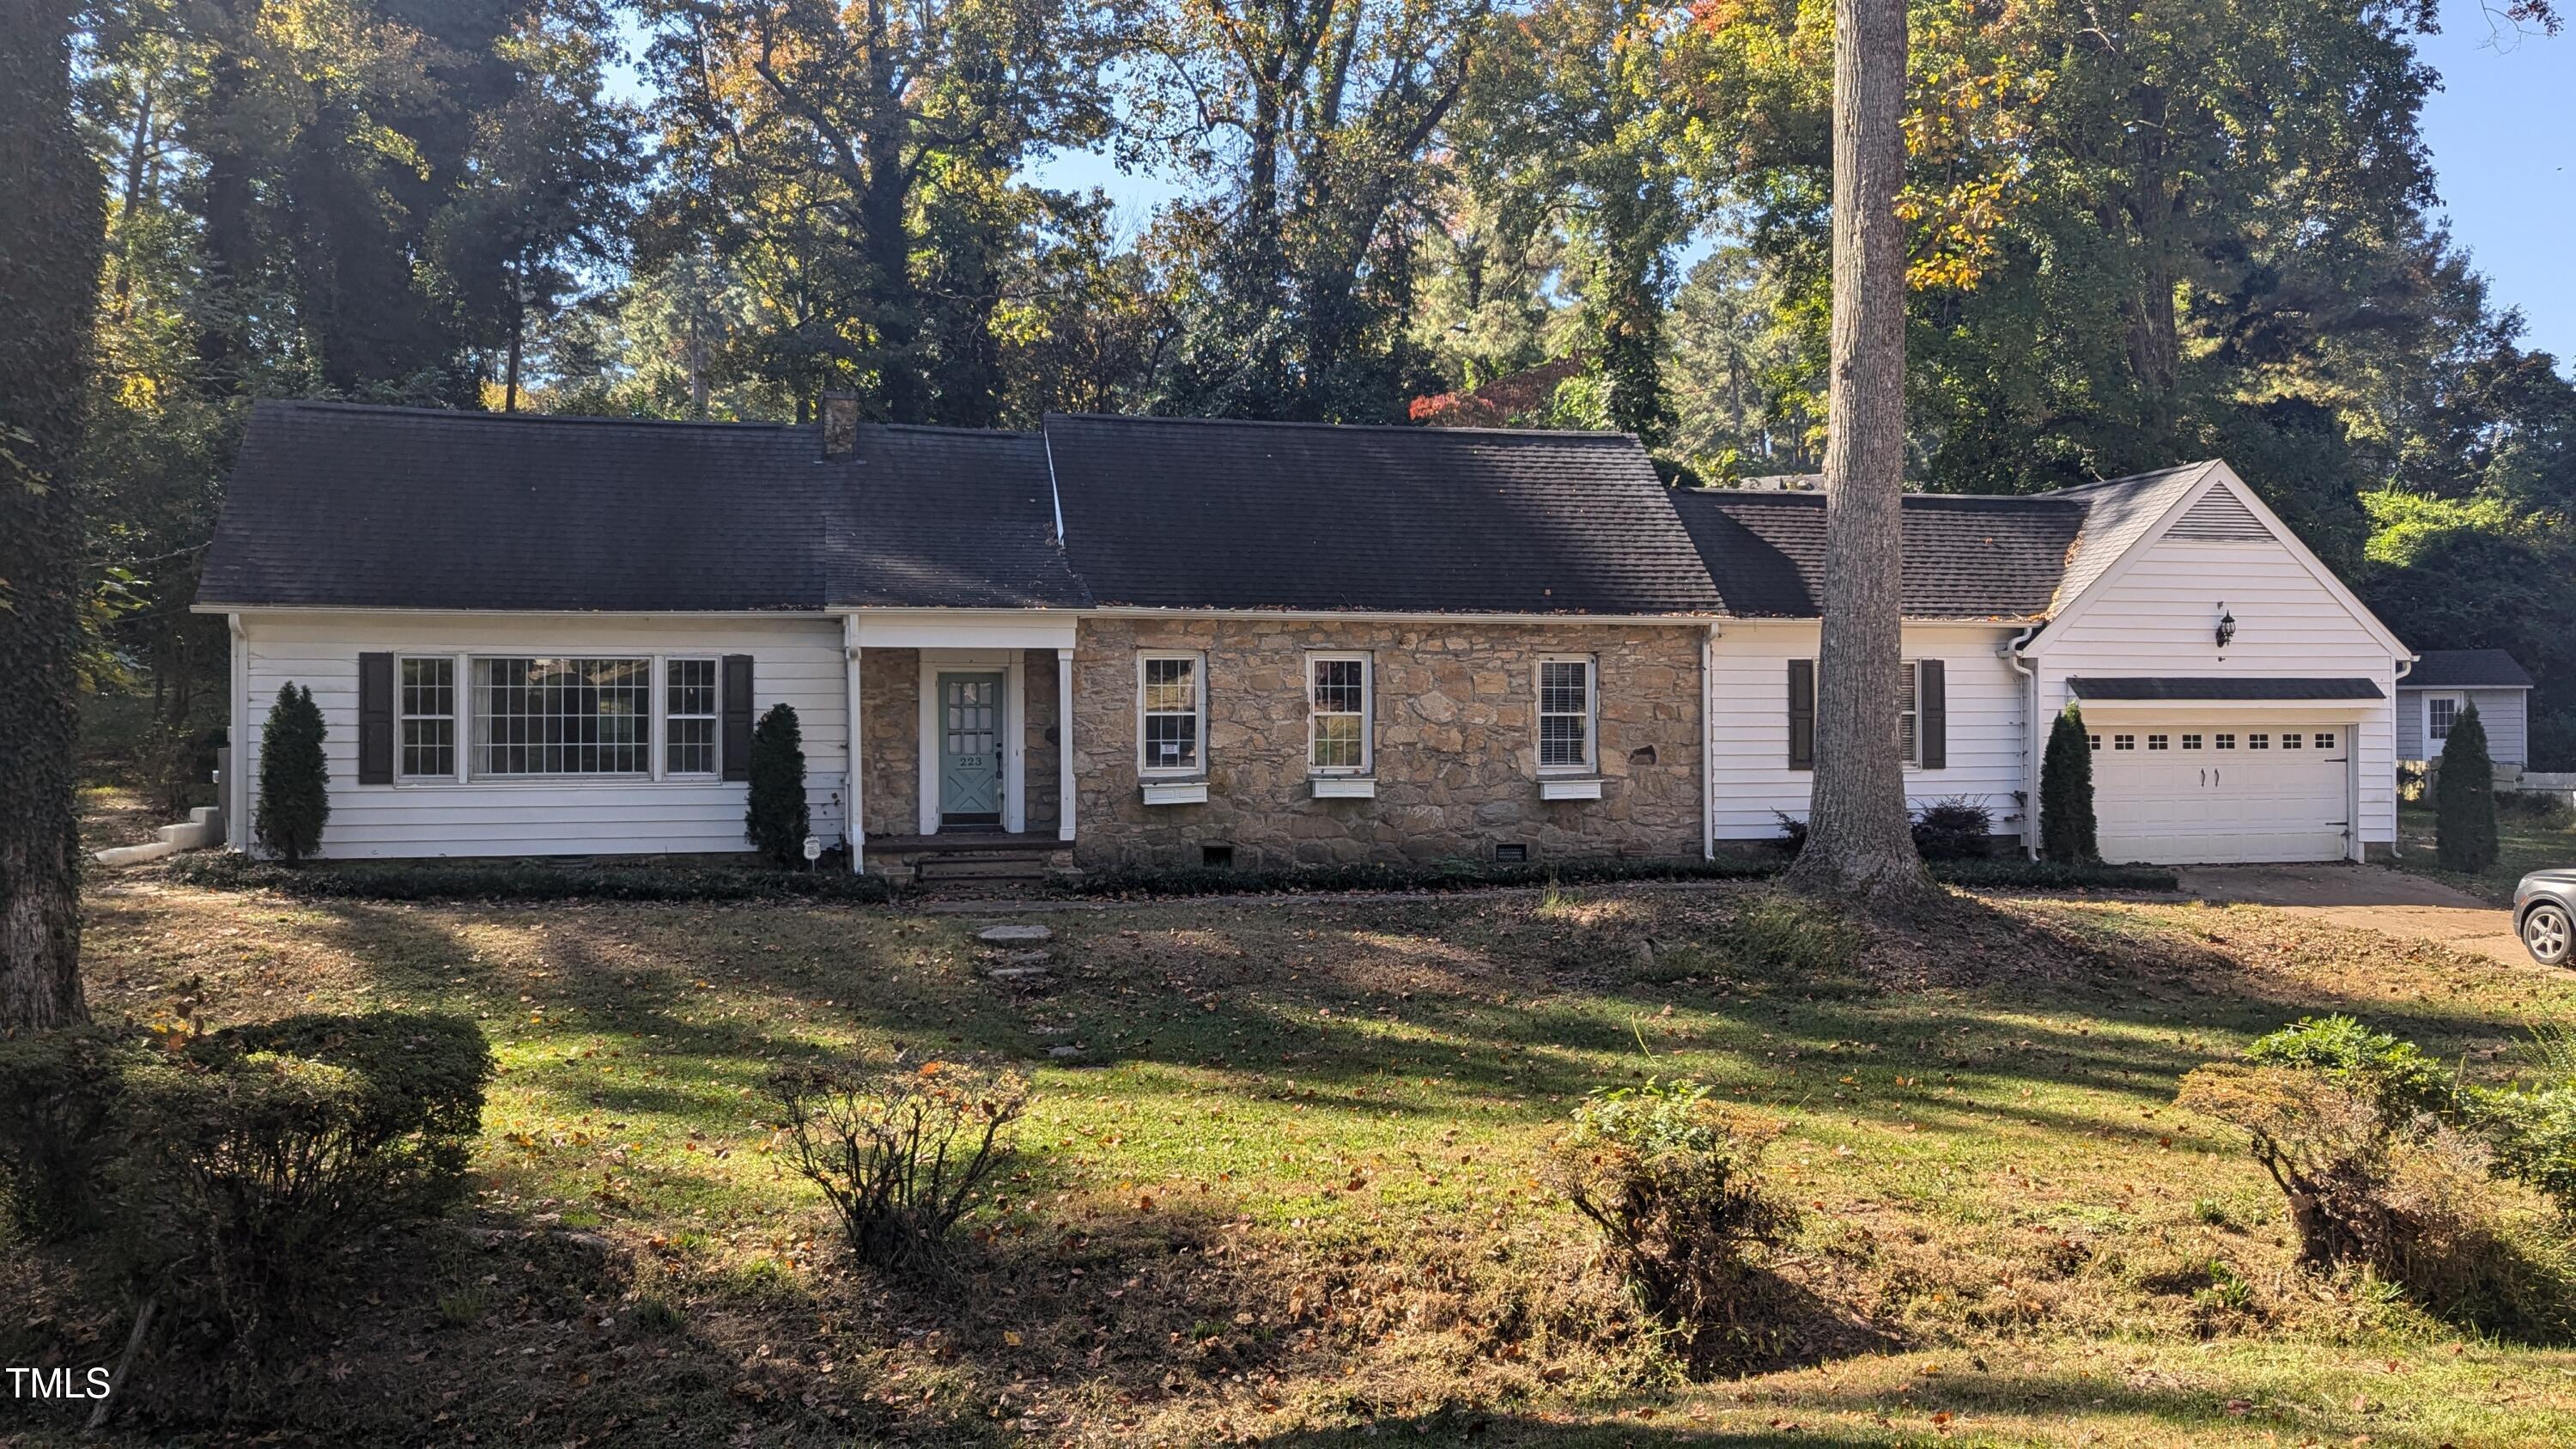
2396 837
2031 747
855 818
237 755
1708 745
1064 745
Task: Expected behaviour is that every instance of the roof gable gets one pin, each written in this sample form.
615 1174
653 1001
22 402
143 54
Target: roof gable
2154 506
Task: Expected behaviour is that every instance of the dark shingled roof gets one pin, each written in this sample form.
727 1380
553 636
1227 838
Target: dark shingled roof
405 508
352 506
2221 687
1966 557
2465 669
951 518
1173 513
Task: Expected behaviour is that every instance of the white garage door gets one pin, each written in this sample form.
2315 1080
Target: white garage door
2186 793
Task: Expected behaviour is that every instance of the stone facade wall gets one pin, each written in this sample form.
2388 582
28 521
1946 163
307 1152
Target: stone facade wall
1045 782
890 746
890 699
1456 744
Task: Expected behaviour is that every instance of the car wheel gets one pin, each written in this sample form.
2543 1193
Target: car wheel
2547 933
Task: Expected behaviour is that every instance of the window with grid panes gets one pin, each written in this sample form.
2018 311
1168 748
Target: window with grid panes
428 713
1564 714
1337 697
1171 710
562 716
689 717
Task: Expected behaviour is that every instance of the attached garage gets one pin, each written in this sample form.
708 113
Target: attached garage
2234 770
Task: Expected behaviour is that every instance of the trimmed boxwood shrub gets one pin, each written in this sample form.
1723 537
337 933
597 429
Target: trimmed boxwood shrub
524 880
776 821
2066 825
2464 805
294 781
1954 829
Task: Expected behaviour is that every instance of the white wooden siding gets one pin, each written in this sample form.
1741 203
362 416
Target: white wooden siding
2502 711
2159 617
1749 724
794 660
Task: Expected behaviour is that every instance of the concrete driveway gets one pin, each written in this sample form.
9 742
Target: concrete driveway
2372 897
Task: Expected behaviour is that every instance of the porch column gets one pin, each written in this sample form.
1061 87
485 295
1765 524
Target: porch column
1064 744
854 822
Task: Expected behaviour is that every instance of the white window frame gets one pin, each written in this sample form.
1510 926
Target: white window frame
1909 716
458 709
2458 702
662 717
1367 714
652 770
1198 679
1591 762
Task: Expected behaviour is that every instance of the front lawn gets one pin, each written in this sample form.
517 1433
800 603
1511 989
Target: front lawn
1288 1187
2523 844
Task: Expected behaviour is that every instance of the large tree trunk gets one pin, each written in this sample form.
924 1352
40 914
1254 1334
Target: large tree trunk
51 238
1859 843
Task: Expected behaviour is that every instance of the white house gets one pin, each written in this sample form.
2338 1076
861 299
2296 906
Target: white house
1161 642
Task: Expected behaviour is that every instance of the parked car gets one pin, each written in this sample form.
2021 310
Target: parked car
2544 914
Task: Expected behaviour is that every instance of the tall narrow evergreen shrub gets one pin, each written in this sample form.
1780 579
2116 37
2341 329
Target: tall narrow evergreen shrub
2066 791
294 783
777 821
2464 807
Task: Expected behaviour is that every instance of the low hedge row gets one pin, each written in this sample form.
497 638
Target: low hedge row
1474 875
543 881
427 880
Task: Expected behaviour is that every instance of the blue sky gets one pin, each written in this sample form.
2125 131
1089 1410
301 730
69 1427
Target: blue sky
2502 130
2503 135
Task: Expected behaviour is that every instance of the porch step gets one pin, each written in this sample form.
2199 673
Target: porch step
981 865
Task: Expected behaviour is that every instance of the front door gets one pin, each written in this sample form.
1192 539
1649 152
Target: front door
970 749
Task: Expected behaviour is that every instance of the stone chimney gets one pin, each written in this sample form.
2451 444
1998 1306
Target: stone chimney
840 424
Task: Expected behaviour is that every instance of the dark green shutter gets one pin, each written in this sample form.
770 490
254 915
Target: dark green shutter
1932 715
375 719
737 716
1802 714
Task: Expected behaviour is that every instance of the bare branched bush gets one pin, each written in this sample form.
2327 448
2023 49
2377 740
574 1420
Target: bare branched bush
2411 1200
2327 1147
1670 1178
899 1148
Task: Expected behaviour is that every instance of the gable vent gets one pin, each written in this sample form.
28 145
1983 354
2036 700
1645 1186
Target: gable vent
2220 517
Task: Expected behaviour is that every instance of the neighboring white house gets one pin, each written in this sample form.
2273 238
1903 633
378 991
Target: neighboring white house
2446 681
1134 641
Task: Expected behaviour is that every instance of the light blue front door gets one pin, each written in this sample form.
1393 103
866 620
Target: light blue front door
970 749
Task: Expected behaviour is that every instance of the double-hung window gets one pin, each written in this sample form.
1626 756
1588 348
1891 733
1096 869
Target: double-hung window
1171 707
562 717
1337 712
1565 713
689 717
428 717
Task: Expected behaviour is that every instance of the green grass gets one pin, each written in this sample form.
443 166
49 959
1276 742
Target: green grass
2523 845
1291 1187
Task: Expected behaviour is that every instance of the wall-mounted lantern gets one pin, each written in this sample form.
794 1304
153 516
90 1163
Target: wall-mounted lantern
2226 626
